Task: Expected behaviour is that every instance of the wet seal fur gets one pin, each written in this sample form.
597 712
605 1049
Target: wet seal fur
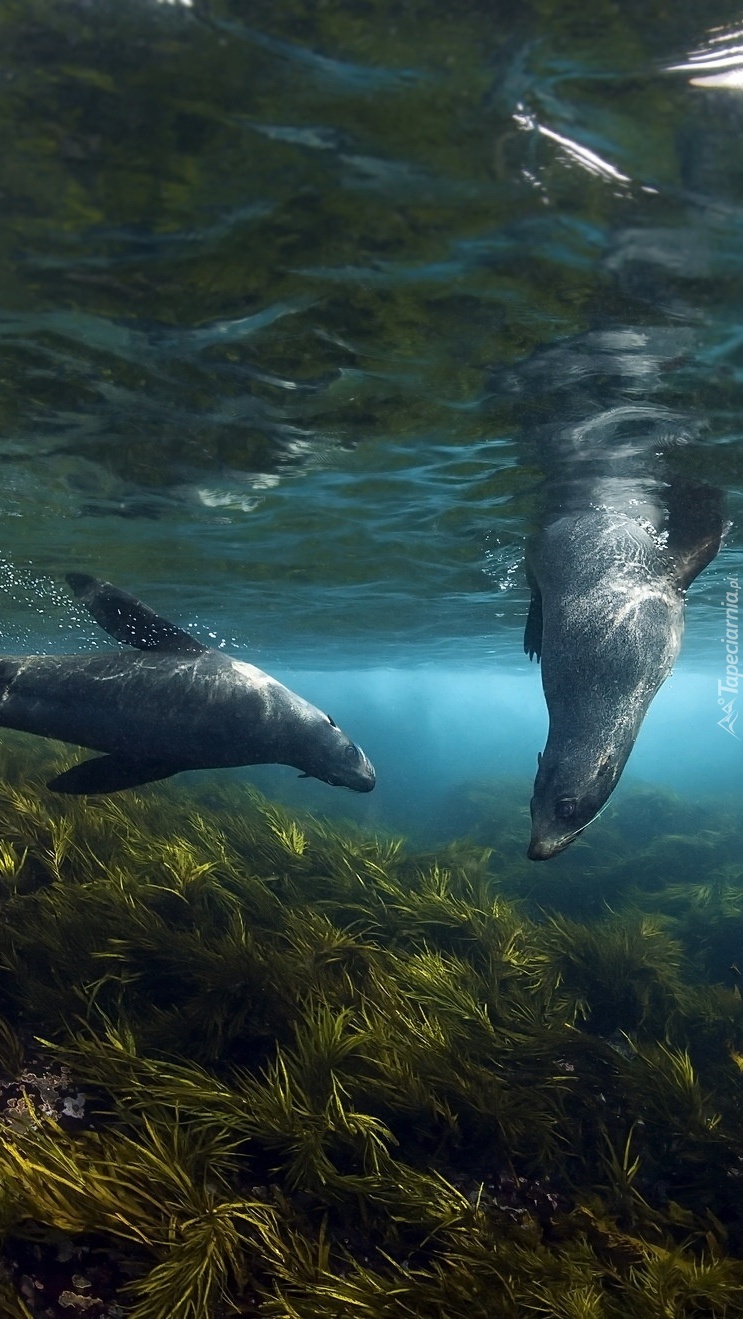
620 536
607 619
173 705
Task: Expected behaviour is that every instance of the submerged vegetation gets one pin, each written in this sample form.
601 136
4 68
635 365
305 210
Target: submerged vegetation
316 1075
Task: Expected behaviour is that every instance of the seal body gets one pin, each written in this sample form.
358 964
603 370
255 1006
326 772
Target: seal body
621 539
612 614
171 704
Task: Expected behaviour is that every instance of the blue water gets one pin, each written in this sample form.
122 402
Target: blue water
289 299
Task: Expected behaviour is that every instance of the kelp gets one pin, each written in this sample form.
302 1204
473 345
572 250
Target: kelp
324 1075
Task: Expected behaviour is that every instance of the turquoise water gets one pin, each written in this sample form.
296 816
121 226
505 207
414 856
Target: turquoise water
290 298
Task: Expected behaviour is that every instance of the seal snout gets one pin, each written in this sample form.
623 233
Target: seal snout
542 849
538 850
366 774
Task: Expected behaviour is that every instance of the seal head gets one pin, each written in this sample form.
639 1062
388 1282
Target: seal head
331 756
568 795
611 645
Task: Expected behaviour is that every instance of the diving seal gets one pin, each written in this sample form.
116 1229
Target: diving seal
173 705
607 618
621 535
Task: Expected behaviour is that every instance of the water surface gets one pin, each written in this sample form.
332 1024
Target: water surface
288 297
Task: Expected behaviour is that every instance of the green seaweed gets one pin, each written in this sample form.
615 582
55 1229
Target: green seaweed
327 1075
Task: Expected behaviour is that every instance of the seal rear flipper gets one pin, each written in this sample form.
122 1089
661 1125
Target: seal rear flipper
126 619
696 522
533 629
107 774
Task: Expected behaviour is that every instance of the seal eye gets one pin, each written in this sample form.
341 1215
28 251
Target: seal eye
565 809
351 752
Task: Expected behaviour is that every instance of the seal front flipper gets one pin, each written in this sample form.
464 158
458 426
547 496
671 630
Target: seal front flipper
126 619
107 774
533 629
696 522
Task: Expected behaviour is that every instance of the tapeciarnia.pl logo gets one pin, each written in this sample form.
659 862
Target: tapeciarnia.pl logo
727 690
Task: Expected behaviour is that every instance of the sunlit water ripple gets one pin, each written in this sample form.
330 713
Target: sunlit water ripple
275 297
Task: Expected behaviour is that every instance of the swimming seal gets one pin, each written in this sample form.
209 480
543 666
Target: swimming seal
171 705
620 536
607 618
